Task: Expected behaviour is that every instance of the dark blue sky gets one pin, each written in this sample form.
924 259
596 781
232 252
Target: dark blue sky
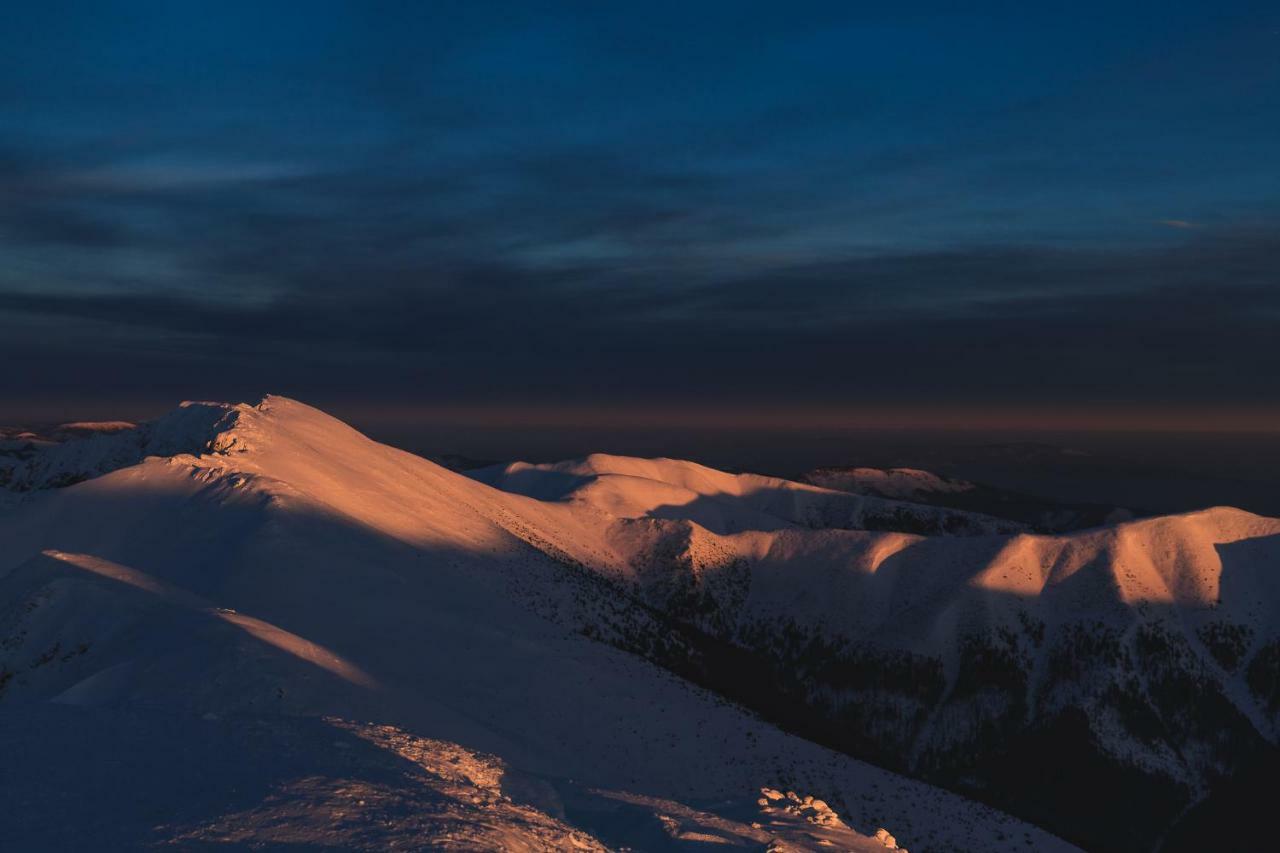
641 204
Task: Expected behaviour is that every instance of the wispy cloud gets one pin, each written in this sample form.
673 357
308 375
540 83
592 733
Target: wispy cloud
455 207
169 174
960 324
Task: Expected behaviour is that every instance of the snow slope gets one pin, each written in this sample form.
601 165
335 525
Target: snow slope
901 483
1140 659
232 587
78 451
628 487
1041 515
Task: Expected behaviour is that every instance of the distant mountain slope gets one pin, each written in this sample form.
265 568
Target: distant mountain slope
628 487
1041 515
258 568
904 484
78 451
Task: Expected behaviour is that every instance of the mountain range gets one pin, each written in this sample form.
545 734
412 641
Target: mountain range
251 624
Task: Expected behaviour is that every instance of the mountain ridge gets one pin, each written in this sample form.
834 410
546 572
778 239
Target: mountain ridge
277 552
275 539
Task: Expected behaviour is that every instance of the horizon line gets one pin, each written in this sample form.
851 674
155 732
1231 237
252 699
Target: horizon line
730 416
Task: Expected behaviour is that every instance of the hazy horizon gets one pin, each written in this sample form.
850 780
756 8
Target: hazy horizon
1154 462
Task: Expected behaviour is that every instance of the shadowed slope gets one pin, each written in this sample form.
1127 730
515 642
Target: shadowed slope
1140 658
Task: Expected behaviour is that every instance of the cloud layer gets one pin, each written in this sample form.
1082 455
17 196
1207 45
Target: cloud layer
615 207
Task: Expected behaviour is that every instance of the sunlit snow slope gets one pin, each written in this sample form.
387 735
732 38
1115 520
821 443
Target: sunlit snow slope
258 627
1139 660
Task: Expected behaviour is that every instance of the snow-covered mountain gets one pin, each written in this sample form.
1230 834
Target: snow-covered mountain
1140 660
251 624
537 631
1037 514
77 451
907 484
626 487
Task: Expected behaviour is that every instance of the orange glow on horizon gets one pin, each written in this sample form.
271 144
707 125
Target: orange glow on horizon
768 415
799 418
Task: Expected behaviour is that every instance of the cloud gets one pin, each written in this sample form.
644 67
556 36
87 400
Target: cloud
596 205
175 174
1027 323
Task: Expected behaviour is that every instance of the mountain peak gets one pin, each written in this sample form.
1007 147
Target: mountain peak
229 558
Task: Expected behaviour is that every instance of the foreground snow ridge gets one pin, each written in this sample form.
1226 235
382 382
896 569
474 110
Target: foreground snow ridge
214 598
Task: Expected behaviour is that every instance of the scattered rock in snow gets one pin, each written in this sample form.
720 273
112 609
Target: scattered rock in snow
888 840
811 809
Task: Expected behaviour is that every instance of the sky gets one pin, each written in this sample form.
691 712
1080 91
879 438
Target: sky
783 209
